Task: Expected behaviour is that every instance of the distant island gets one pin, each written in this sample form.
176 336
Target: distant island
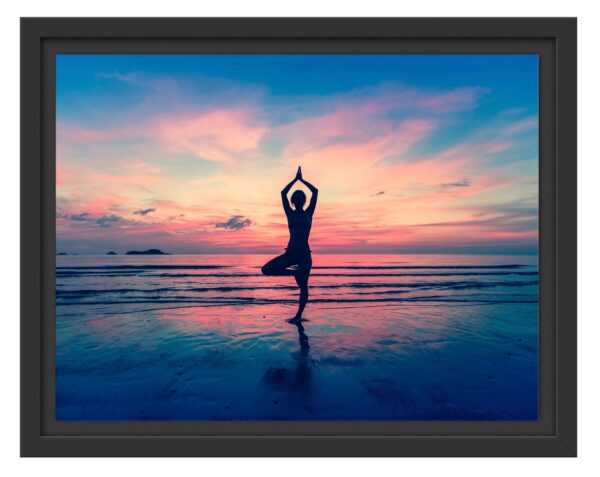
112 253
150 251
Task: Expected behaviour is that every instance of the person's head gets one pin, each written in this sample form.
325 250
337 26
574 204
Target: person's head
298 199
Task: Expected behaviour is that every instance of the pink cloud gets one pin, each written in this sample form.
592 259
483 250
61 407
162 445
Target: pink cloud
388 96
521 125
73 134
216 135
456 100
219 135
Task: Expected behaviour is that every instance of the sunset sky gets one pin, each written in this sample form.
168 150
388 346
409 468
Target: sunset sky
188 153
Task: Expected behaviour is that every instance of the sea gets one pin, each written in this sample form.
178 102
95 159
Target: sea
384 337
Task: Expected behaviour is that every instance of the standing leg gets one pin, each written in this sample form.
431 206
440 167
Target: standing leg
301 277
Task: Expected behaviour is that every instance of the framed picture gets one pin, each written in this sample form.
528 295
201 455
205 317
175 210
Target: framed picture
298 237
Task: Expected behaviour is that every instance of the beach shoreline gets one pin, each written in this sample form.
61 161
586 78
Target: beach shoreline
208 338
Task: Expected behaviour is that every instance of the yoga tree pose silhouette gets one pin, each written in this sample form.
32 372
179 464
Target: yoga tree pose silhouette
296 261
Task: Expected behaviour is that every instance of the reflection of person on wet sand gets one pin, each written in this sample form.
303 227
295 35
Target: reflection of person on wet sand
302 338
303 367
294 382
296 261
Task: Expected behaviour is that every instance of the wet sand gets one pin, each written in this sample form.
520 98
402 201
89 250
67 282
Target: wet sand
397 337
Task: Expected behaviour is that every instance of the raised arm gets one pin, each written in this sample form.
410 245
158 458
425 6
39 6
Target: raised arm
284 198
313 197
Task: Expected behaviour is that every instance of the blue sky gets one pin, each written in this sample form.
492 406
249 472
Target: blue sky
150 125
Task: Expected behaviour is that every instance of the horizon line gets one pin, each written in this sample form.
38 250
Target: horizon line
67 254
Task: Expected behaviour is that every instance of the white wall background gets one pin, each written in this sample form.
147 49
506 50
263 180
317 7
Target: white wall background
589 234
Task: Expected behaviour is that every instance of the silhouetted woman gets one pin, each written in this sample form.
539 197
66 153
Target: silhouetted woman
296 260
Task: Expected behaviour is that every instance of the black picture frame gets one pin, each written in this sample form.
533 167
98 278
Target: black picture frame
553 39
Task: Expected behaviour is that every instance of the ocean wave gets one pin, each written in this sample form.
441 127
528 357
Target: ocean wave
418 267
271 301
70 274
227 283
142 267
442 274
416 285
331 267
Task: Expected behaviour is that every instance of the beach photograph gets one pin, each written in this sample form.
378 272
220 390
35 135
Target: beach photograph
297 237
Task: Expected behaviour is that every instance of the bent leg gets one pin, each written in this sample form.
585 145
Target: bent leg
277 267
